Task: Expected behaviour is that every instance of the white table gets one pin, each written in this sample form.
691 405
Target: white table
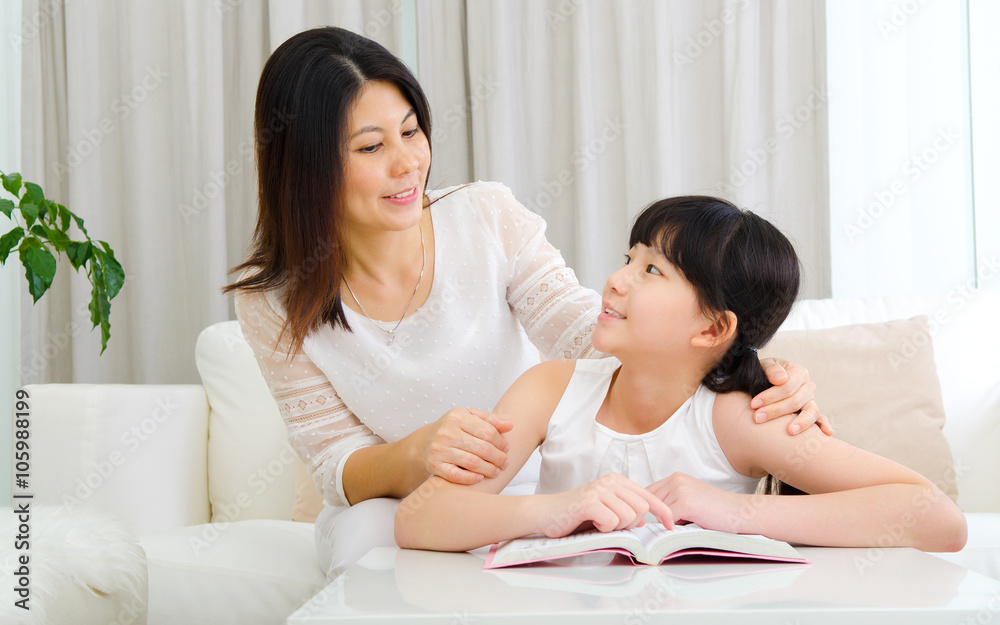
854 586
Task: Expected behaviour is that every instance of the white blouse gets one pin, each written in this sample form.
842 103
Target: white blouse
501 293
577 449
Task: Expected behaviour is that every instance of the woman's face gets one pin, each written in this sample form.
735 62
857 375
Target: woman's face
387 161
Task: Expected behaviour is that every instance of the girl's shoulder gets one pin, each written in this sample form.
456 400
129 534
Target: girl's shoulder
732 421
551 375
533 397
731 408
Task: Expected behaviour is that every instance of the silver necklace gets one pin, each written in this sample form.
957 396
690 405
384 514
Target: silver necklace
391 334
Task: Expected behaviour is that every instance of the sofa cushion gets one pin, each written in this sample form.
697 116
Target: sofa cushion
966 343
251 467
878 384
243 573
136 451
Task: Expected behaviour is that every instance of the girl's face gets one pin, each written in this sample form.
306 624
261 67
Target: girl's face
648 307
387 161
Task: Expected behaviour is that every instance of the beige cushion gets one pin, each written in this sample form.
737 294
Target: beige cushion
879 386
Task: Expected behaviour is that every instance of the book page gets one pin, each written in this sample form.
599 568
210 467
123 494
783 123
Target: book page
653 532
534 548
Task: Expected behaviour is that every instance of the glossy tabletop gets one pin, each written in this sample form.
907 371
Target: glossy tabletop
855 586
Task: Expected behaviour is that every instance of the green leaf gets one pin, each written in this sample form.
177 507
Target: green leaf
64 216
35 193
114 276
12 182
39 269
112 273
43 208
79 224
29 211
7 206
100 305
58 239
78 253
9 241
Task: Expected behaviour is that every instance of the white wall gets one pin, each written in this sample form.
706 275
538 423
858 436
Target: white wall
11 281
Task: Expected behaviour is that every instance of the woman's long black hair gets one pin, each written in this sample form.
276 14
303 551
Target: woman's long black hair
304 98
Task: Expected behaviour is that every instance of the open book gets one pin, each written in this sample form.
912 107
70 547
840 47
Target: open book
651 544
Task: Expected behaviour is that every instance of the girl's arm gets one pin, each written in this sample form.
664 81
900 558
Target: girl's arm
856 498
444 516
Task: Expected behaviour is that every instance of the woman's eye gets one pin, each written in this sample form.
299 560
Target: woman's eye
653 270
370 149
411 133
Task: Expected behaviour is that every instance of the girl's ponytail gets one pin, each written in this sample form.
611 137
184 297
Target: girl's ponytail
739 370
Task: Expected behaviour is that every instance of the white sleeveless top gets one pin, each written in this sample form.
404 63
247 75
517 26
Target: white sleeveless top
577 449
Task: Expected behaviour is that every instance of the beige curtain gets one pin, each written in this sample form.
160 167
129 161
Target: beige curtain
138 116
590 110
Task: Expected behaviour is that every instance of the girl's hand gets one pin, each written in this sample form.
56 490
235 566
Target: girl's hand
464 446
612 502
793 392
694 501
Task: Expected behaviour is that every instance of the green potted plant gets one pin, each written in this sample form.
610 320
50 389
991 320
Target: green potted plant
43 228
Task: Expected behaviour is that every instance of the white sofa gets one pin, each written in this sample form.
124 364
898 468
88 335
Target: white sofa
203 475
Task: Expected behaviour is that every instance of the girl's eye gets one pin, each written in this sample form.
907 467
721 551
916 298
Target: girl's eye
370 149
628 259
411 133
653 270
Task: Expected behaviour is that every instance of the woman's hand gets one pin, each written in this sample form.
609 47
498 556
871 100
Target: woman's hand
694 501
793 392
464 446
611 502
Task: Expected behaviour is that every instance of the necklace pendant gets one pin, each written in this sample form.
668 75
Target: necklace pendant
390 338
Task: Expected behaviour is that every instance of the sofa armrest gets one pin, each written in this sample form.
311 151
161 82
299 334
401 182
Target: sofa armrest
138 452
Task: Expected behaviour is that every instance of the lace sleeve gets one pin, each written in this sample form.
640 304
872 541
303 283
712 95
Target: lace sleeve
321 429
557 313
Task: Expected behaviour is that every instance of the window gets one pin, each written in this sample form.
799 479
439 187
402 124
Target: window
911 107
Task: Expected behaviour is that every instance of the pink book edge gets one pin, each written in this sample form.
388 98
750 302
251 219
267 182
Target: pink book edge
684 552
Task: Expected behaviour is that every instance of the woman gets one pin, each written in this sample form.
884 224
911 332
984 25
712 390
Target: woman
375 309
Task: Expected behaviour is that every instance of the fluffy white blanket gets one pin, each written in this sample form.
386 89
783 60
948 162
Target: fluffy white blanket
67 546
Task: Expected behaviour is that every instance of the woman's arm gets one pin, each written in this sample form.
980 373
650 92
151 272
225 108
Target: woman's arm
857 499
321 429
347 461
464 446
449 517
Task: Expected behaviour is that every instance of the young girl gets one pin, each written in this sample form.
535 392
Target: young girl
665 427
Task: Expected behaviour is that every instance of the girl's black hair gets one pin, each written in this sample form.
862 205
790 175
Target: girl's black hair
737 261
